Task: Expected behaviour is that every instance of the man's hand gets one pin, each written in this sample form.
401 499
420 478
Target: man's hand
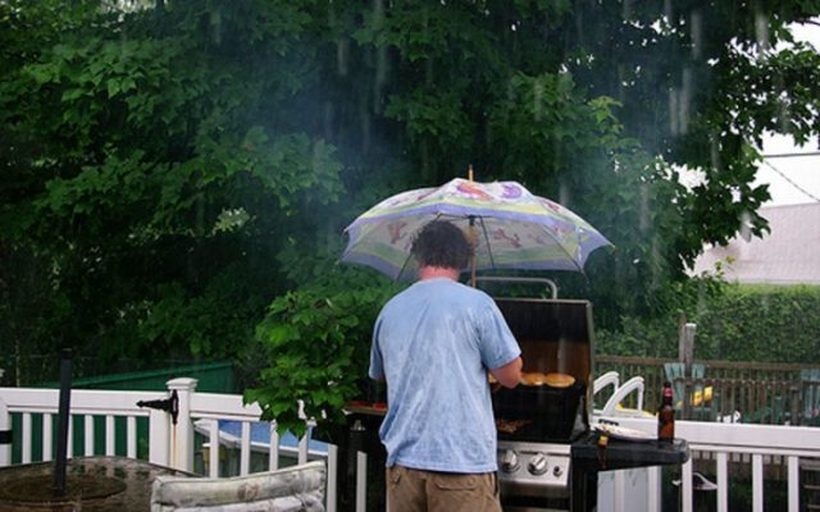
509 374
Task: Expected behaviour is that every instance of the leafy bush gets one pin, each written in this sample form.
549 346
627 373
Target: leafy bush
734 322
314 346
774 324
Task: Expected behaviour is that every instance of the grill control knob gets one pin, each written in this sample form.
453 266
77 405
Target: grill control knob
557 471
538 464
509 462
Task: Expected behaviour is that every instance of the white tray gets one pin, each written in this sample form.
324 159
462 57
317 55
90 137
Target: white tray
624 434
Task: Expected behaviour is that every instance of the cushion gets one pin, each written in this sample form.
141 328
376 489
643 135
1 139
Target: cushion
292 489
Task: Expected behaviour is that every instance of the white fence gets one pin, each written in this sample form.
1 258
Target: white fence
173 444
718 443
169 443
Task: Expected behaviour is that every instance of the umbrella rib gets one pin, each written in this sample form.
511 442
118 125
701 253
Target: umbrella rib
410 255
487 240
404 265
560 246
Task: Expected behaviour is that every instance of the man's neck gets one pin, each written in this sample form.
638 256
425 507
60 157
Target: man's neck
426 273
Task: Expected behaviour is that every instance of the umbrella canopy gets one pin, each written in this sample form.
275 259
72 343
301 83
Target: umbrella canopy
511 228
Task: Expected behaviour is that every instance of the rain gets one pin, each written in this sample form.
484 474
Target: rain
178 176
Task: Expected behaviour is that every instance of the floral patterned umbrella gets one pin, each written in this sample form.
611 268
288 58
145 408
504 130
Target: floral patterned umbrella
512 228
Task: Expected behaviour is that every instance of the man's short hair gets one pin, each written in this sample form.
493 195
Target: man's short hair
441 244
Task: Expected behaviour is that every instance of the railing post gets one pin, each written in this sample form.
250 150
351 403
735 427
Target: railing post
793 483
686 347
5 435
332 476
654 483
361 481
723 482
686 489
757 482
182 435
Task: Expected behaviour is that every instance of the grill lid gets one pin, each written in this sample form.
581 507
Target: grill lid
555 337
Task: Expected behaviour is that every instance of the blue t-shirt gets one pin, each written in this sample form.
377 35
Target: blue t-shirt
433 344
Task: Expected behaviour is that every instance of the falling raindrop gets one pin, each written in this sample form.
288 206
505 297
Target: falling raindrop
656 261
564 194
426 170
378 14
366 124
342 53
380 77
746 226
696 33
667 11
673 111
216 25
643 215
381 56
783 114
316 161
622 81
714 149
364 116
327 120
537 96
761 30
685 100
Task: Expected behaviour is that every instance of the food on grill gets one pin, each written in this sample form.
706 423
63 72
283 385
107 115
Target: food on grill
559 380
532 379
510 426
555 380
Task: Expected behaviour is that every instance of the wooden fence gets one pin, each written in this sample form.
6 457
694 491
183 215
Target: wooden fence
768 393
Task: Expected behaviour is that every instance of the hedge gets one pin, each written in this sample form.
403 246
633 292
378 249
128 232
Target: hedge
778 324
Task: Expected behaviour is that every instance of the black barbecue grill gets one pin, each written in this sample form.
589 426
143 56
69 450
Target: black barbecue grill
555 338
547 452
537 422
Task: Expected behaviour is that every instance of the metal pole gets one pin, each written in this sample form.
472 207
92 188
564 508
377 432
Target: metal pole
64 419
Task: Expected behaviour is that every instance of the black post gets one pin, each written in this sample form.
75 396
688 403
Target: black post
64 418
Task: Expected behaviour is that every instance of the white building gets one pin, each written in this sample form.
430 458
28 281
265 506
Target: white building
789 254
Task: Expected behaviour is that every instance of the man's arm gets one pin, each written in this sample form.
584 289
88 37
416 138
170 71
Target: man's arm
509 374
376 370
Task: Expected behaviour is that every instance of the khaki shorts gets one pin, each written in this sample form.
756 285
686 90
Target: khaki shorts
413 490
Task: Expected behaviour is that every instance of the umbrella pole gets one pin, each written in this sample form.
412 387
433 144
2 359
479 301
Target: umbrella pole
473 236
473 240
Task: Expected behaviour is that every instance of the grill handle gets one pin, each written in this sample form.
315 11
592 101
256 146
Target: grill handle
548 283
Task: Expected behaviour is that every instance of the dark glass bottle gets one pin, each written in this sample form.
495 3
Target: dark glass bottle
666 415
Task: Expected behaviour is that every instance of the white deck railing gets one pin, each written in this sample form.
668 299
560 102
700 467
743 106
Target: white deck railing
172 444
169 444
718 443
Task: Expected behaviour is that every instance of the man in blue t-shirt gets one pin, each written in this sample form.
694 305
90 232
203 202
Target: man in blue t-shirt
433 344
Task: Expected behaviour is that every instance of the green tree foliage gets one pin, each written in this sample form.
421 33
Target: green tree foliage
151 173
170 171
